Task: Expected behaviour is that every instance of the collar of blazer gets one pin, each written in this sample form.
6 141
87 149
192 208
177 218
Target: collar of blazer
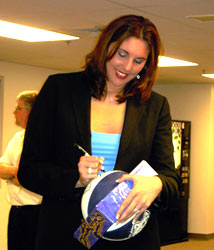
134 114
81 96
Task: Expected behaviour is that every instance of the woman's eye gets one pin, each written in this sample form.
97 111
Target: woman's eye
139 61
121 53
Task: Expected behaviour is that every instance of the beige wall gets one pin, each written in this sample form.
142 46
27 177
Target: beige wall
16 78
194 102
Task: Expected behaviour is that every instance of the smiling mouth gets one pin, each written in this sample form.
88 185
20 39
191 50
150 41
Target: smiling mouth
121 75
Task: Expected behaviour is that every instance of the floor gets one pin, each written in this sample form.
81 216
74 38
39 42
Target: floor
191 244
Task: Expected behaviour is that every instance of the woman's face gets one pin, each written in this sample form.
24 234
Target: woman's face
127 62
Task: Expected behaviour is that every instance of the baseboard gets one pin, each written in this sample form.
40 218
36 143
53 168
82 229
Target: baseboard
201 236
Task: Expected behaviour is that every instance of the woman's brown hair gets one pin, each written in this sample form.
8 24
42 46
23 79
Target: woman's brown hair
117 31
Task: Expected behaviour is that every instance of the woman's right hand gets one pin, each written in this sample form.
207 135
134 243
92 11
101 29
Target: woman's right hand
89 167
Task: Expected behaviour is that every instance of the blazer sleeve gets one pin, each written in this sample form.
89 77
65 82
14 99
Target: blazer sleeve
161 157
46 167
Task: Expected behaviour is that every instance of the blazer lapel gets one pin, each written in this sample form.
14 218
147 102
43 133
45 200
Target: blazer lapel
82 104
134 114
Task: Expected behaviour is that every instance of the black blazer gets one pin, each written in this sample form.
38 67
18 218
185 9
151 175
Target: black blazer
48 166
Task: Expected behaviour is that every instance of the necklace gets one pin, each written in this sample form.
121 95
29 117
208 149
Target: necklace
112 100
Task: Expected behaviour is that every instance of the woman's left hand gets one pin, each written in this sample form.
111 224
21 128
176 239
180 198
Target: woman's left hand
145 190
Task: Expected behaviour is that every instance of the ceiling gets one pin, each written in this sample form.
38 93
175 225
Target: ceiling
183 38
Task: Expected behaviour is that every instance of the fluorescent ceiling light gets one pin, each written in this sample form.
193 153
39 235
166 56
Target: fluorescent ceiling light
171 62
208 75
29 34
202 18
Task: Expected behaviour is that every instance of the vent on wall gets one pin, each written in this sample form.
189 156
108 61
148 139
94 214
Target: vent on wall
202 18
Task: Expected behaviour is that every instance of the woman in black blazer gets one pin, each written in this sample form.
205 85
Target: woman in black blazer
111 96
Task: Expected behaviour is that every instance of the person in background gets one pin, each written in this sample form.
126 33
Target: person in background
110 101
25 204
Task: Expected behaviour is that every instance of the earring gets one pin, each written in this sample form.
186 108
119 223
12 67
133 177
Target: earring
138 77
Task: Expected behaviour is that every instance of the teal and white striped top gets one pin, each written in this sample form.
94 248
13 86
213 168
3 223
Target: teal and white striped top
105 145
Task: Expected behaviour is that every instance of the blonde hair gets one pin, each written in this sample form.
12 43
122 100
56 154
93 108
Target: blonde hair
28 97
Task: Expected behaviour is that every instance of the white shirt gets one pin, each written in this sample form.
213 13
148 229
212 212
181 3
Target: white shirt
18 195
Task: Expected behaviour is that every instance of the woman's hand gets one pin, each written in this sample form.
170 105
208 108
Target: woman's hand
89 167
145 190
